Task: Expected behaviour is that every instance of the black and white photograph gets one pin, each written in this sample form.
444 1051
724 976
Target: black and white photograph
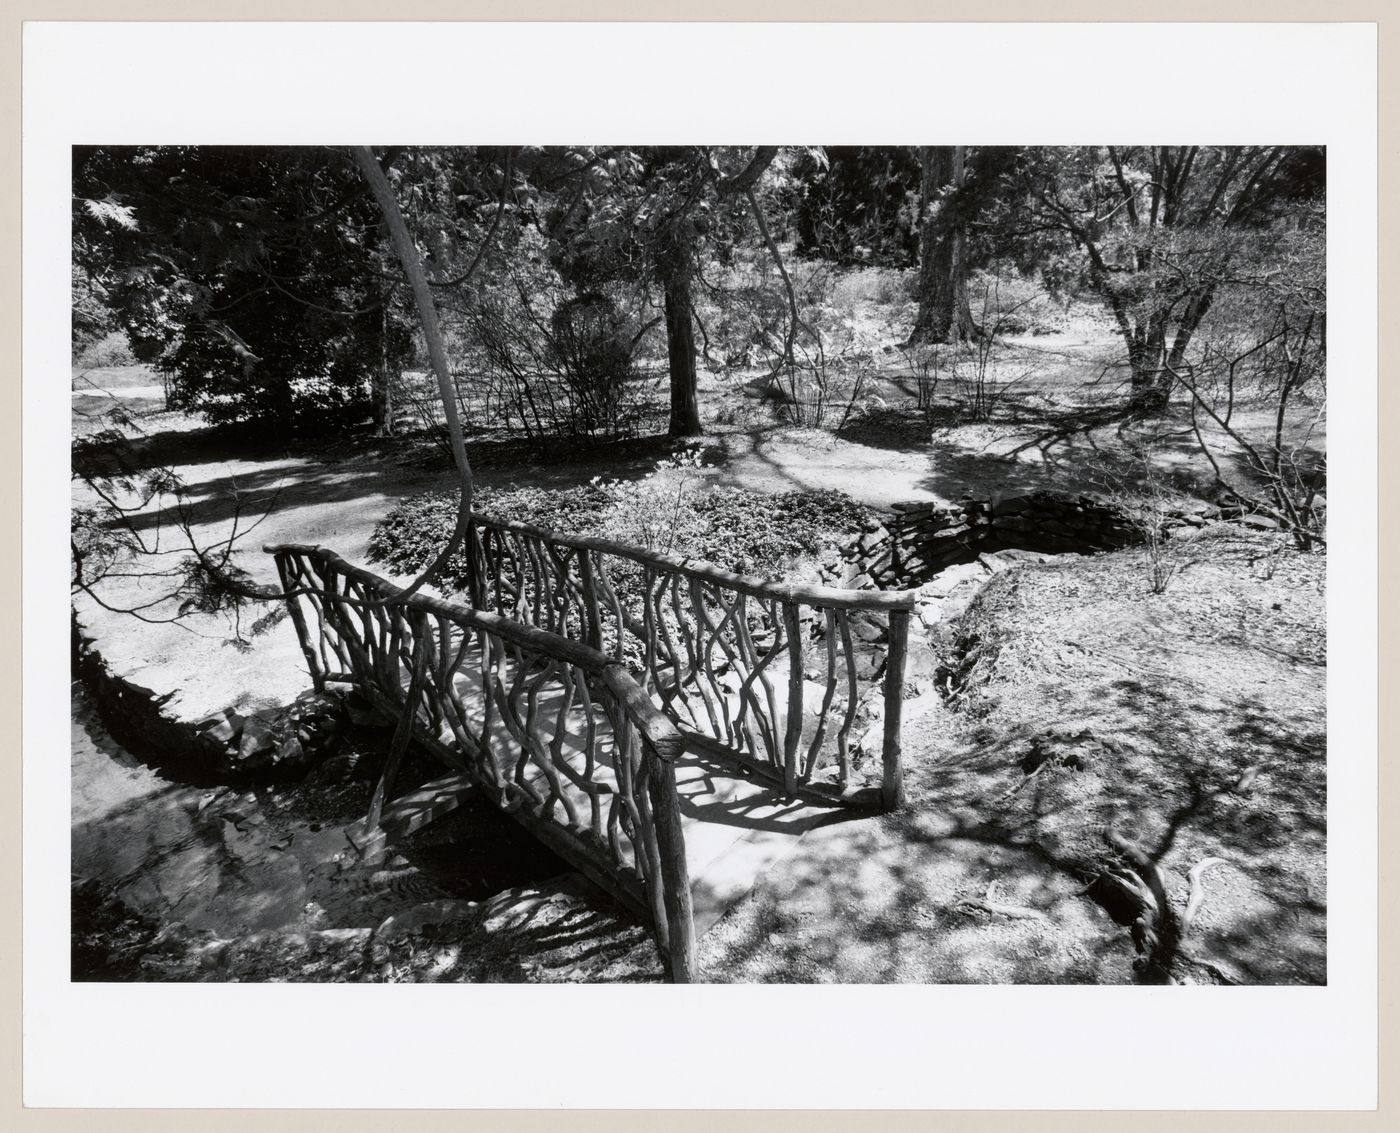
776 563
700 565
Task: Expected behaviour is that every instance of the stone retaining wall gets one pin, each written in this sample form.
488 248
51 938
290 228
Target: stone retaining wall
921 539
275 744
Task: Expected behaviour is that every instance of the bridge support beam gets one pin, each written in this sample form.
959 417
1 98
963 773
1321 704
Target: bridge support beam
675 876
892 779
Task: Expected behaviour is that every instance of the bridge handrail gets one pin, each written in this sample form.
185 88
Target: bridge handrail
659 847
826 597
657 727
698 632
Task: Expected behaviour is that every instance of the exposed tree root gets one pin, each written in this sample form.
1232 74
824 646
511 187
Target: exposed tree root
1158 932
990 904
1198 893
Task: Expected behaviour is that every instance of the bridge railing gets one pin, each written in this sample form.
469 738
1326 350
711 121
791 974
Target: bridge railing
559 733
765 673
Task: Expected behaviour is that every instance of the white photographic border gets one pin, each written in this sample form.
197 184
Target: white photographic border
703 1046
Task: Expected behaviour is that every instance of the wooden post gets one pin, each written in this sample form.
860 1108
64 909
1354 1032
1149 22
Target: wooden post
318 678
892 781
675 877
793 739
403 731
590 599
475 550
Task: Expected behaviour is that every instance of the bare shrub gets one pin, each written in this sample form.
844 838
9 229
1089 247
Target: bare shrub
925 365
823 367
981 371
1281 367
553 363
1147 499
656 512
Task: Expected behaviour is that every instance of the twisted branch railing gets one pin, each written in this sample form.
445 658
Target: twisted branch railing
557 732
763 673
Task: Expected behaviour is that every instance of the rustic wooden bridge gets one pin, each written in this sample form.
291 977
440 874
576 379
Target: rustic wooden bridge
668 728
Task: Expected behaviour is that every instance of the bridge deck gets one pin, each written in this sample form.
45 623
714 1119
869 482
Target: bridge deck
735 826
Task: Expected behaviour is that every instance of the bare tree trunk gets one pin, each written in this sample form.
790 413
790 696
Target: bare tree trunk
944 315
680 349
1196 310
963 325
382 393
1152 377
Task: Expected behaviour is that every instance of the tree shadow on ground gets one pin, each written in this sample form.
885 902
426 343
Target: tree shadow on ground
311 479
1161 767
1120 456
248 494
902 429
1011 812
567 461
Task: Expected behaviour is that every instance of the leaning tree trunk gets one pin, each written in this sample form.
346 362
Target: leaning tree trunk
1196 310
680 348
1155 368
1152 381
412 265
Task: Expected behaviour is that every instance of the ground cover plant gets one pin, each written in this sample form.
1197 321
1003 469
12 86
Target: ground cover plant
670 509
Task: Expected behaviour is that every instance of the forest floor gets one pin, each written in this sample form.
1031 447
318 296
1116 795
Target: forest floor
1084 700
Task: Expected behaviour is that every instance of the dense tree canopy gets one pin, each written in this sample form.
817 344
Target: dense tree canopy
253 276
261 282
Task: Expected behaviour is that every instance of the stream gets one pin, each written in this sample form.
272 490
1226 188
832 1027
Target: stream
166 877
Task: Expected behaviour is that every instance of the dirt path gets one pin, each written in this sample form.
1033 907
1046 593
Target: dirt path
332 497
910 898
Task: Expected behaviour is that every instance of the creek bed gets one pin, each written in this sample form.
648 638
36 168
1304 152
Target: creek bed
160 868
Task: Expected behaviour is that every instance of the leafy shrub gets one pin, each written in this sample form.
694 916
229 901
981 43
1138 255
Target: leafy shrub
856 288
755 533
109 351
1004 301
668 510
413 531
657 512
416 529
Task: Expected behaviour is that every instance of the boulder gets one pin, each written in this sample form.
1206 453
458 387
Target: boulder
864 628
950 579
257 742
950 532
223 729
289 754
931 613
1017 555
871 665
1013 506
